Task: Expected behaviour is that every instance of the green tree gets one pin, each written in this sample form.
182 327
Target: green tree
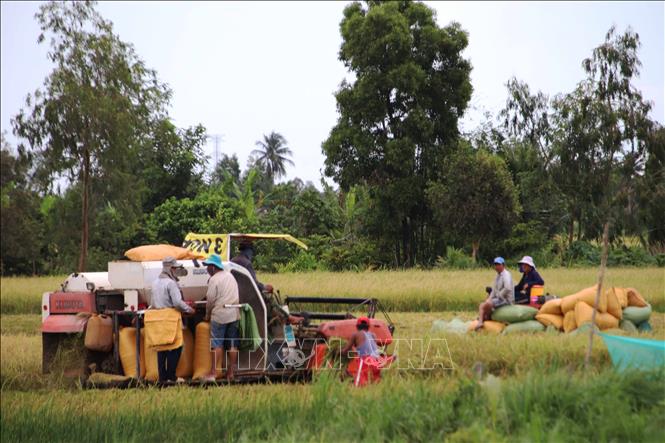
21 227
314 214
95 108
244 194
273 155
603 129
653 191
227 163
208 212
527 149
171 163
526 117
398 118
540 198
476 200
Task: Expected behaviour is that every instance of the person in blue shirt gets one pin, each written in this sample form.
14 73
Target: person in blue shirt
530 278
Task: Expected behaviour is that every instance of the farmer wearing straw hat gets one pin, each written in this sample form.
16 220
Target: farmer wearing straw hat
500 294
530 277
224 333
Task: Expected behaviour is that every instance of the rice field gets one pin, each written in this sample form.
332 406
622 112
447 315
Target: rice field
398 291
557 406
533 388
459 388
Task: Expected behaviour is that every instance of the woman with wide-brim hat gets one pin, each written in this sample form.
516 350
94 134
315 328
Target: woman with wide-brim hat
530 278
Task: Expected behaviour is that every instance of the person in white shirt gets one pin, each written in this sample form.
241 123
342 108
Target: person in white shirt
224 333
501 294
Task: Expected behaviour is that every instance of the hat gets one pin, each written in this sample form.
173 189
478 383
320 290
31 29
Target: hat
214 260
499 261
526 260
362 320
170 262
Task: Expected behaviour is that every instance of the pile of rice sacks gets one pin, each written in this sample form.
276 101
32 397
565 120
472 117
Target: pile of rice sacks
618 308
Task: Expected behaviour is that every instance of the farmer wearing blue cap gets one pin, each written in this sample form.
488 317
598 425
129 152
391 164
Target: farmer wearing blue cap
224 333
500 294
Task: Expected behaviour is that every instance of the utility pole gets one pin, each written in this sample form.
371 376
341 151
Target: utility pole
217 138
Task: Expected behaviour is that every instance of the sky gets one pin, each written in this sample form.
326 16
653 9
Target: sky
244 69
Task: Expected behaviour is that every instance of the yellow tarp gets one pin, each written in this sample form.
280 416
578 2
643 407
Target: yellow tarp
163 329
208 244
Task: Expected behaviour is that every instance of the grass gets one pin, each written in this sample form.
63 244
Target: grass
437 290
536 390
20 350
555 406
23 295
21 324
398 291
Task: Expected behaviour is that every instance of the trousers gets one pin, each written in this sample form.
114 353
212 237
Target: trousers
167 362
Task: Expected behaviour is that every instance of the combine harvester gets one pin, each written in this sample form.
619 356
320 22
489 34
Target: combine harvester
122 294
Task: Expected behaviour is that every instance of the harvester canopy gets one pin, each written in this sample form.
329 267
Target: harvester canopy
220 244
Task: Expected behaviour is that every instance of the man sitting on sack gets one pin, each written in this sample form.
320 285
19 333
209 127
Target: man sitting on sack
500 294
166 294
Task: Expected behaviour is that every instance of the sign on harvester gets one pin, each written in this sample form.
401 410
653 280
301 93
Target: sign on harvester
208 244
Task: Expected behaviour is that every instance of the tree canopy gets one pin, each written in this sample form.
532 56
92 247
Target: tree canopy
399 117
96 107
100 167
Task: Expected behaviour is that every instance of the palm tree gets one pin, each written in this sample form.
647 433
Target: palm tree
273 154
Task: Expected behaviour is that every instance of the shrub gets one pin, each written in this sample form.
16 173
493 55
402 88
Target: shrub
354 255
582 253
526 238
455 259
631 256
302 262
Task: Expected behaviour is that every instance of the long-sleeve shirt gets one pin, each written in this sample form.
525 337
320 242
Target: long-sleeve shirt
242 260
503 288
166 294
222 290
532 278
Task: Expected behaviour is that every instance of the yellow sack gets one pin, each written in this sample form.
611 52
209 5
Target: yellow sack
160 252
202 354
127 339
99 333
185 364
636 299
495 327
552 307
622 296
613 303
551 320
151 366
163 329
569 323
604 320
185 367
588 296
